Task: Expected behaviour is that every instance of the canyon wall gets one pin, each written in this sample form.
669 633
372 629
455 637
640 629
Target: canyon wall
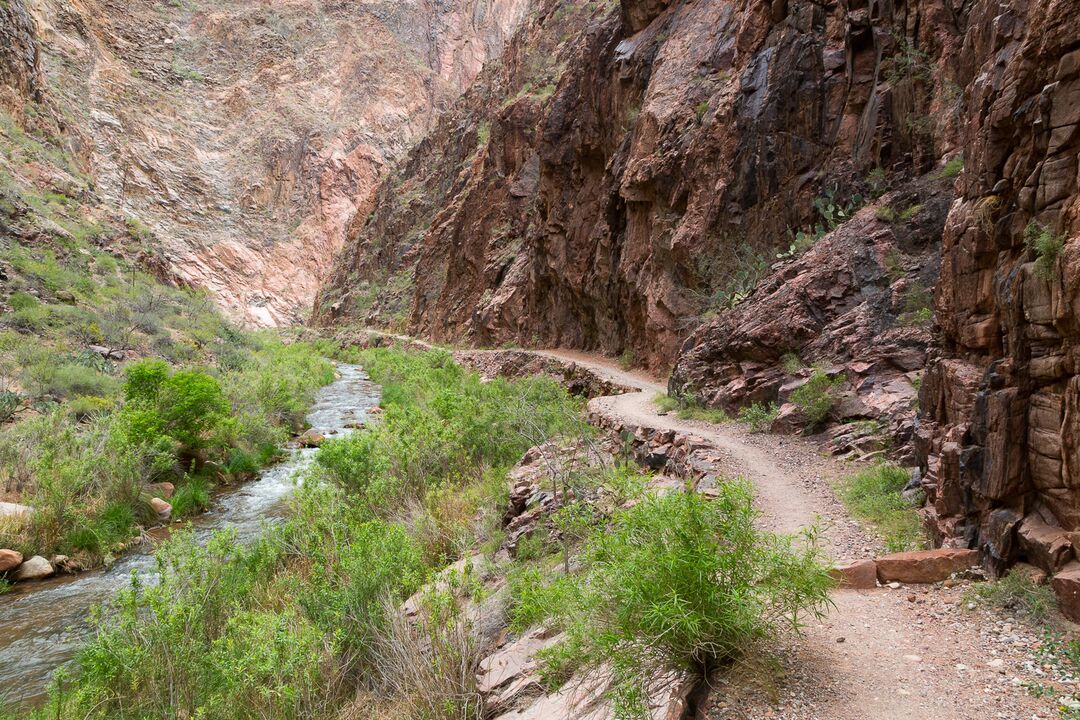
737 191
1000 432
602 186
243 136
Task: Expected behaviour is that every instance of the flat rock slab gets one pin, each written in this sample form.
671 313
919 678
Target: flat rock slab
510 661
9 560
36 568
14 510
858 575
924 566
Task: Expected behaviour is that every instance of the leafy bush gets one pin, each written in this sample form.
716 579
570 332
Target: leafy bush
759 416
677 582
1046 246
191 403
815 398
143 380
23 301
873 494
442 425
690 408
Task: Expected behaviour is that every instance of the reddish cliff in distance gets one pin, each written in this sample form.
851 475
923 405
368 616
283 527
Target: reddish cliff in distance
244 135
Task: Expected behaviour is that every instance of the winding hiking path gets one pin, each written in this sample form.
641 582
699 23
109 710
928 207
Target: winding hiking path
910 653
907 654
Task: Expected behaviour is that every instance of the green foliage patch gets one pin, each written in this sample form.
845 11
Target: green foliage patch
675 582
873 494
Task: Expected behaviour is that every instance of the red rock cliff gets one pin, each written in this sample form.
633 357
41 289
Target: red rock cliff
600 186
1000 437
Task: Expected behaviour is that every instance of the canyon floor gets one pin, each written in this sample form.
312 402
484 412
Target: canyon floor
909 653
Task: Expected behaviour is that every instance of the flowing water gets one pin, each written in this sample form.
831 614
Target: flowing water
41 624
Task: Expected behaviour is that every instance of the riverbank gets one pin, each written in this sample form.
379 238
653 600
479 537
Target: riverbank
89 487
43 625
421 572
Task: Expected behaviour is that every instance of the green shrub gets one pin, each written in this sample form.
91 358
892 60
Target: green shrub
191 497
791 363
666 403
690 408
69 380
759 416
23 301
190 404
816 397
951 169
1046 246
143 380
873 494
1016 593
104 534
885 213
680 582
442 424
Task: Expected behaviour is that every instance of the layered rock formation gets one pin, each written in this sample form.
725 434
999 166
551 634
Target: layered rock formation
246 135
598 188
1000 431
625 188
857 303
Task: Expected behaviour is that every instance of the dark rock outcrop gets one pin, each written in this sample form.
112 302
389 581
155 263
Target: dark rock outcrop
1000 430
857 303
597 187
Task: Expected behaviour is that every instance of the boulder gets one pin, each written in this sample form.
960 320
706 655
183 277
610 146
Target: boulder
162 509
788 420
1045 546
858 575
9 560
1066 586
161 490
311 438
925 566
36 568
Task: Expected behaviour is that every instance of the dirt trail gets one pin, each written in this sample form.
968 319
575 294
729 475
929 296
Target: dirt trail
910 653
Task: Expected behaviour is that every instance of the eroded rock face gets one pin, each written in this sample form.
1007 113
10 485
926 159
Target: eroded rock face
245 135
596 187
857 303
20 68
1000 432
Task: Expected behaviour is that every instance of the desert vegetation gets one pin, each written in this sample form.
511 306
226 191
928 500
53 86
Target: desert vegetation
112 381
306 621
875 494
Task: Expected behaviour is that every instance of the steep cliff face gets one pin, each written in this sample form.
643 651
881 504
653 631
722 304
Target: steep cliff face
245 134
600 189
1001 430
623 179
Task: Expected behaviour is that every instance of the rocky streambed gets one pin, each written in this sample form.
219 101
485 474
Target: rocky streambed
42 623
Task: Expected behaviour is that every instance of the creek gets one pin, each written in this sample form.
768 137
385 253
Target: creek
42 624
